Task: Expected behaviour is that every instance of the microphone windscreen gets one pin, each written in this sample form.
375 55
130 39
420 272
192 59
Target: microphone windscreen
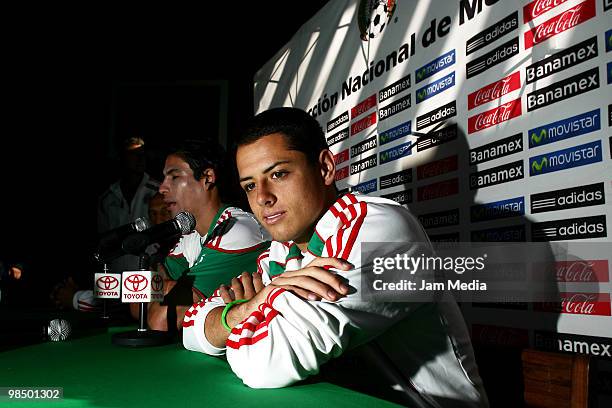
141 224
59 330
186 222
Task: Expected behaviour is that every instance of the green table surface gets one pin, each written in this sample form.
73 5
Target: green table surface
95 373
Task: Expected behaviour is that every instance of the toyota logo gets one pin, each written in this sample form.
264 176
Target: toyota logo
107 282
157 283
136 283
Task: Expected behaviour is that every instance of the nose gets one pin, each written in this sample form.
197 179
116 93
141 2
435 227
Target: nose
163 187
265 195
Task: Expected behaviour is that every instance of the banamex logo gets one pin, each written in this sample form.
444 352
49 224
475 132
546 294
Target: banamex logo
571 343
562 60
564 89
494 150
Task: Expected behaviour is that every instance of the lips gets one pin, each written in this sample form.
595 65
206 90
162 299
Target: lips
274 218
170 205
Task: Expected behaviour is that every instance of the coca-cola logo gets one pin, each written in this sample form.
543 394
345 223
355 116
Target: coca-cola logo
538 7
342 156
363 106
495 90
136 283
157 283
438 190
500 88
501 336
342 173
567 20
579 303
437 167
107 282
563 22
495 116
582 271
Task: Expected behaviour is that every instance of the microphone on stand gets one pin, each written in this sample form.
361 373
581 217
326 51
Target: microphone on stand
143 286
136 242
109 246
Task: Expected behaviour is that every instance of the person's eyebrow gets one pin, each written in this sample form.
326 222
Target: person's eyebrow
267 170
171 171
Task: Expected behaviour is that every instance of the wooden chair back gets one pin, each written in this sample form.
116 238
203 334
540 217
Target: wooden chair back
555 380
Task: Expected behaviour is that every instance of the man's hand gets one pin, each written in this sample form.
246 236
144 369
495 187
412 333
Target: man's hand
244 287
314 282
63 293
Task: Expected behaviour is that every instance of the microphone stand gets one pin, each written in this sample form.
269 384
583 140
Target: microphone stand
143 336
105 314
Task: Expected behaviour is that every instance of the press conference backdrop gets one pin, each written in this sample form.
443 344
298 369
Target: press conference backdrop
491 120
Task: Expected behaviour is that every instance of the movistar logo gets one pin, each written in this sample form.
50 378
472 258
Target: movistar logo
435 87
405 149
395 133
535 139
537 167
421 74
434 66
573 126
576 156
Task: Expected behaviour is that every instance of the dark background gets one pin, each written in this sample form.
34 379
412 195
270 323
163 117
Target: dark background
78 80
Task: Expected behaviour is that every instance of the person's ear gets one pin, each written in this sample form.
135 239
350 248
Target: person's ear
209 177
328 167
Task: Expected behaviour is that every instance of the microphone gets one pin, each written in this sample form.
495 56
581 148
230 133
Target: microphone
58 330
109 246
183 223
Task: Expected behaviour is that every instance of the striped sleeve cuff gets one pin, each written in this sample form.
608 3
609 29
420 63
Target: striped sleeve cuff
84 301
194 338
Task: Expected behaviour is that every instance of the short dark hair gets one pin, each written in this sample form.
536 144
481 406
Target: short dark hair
303 132
200 155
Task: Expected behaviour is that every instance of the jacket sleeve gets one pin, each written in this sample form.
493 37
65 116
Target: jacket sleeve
286 340
85 301
289 338
194 336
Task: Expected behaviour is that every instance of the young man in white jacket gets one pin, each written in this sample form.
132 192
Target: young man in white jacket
304 306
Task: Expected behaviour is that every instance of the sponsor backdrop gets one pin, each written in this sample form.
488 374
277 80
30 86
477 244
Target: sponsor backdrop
490 119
